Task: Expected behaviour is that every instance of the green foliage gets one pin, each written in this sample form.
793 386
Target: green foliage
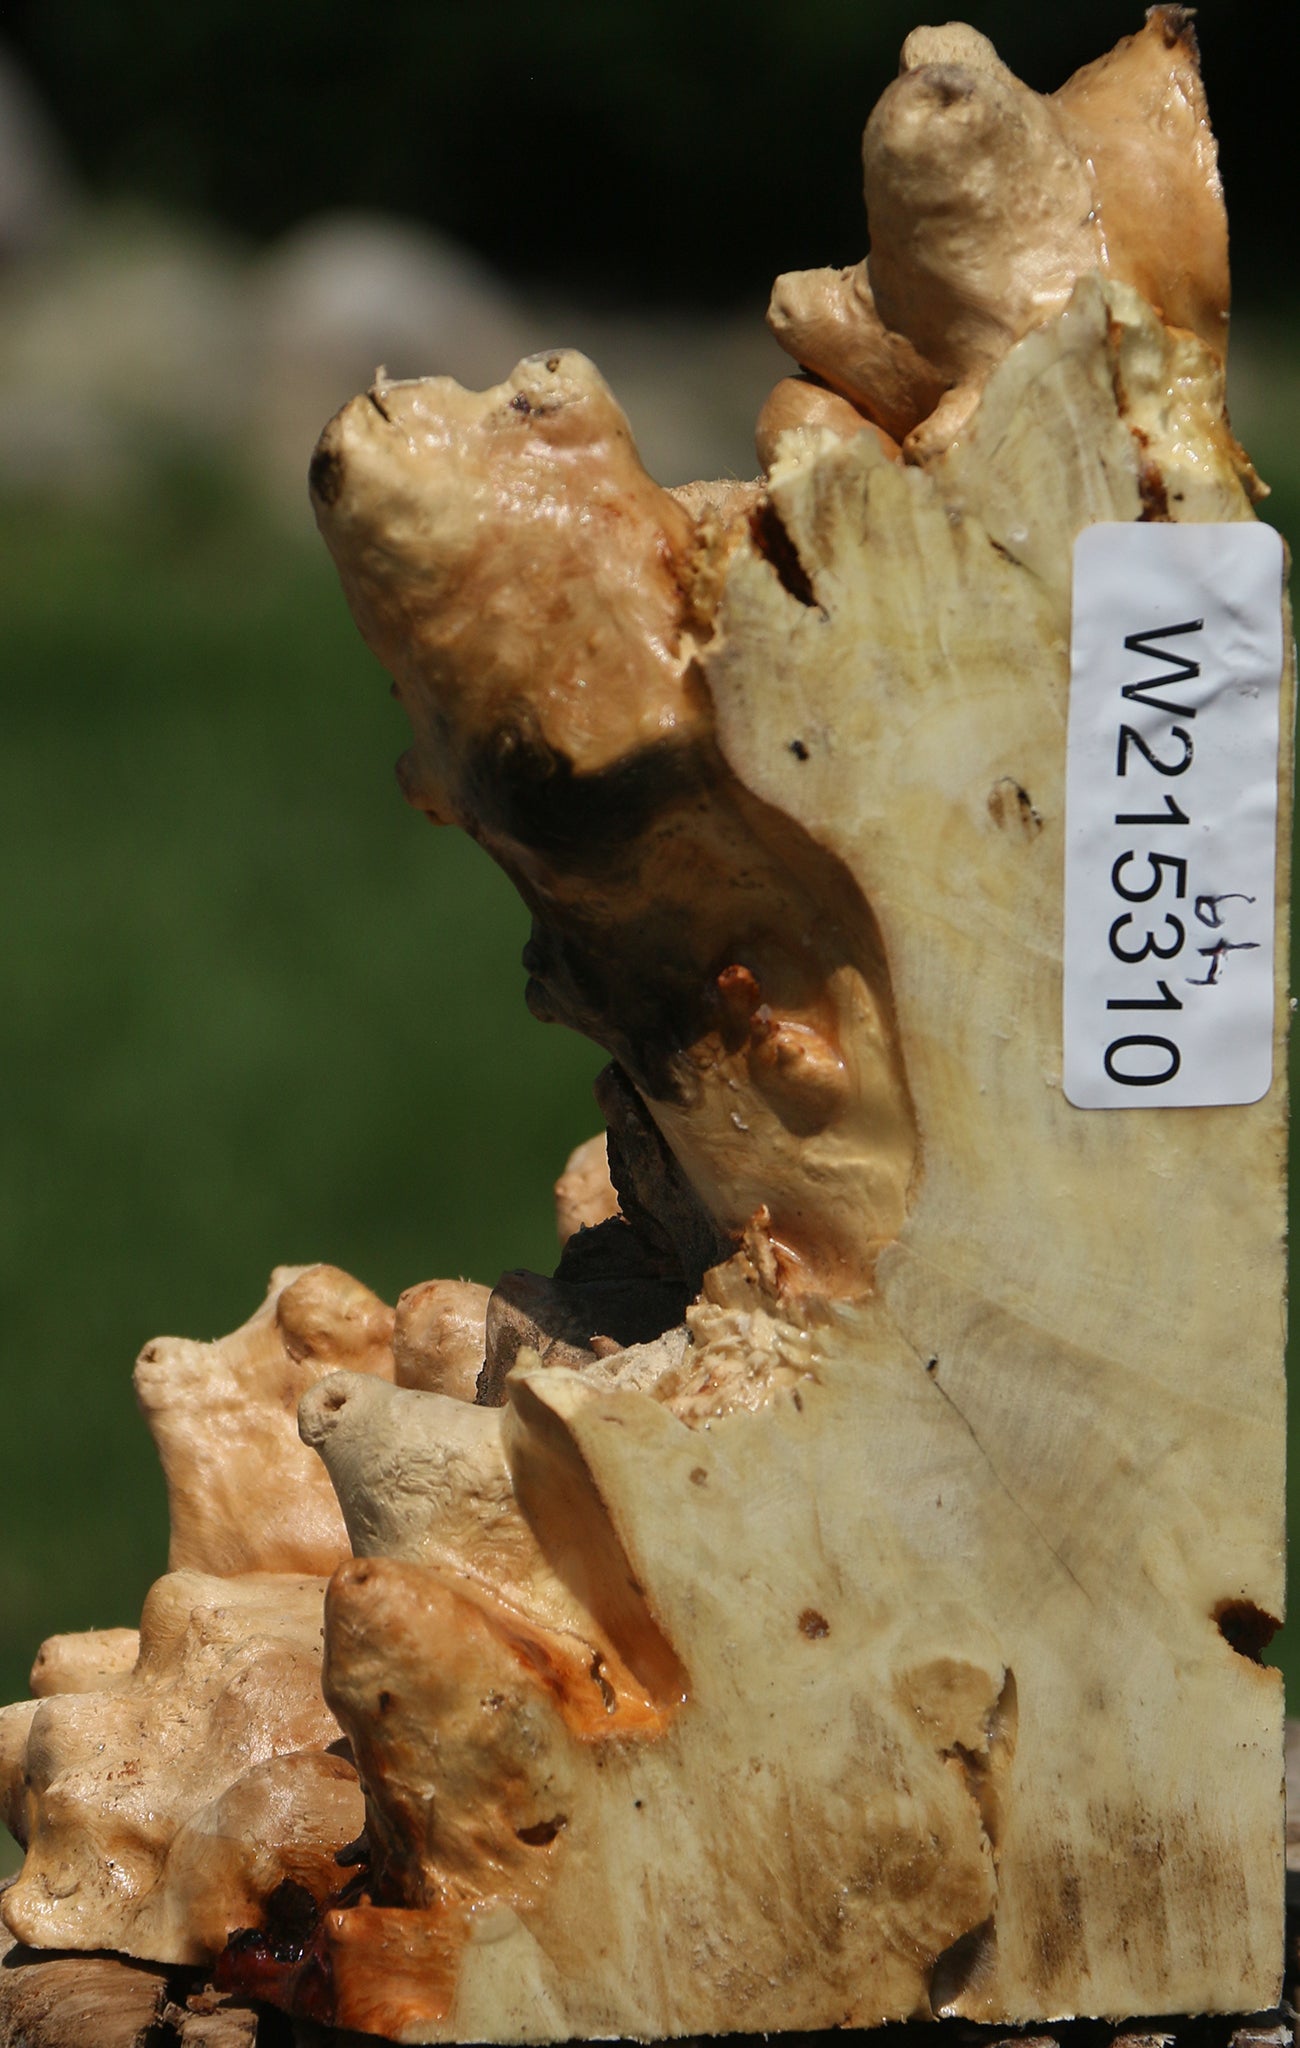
255 1011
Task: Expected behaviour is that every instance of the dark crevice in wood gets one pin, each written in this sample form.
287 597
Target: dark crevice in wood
961 1966
776 547
1247 1629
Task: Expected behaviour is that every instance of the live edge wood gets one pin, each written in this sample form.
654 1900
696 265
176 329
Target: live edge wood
834 1597
962 1515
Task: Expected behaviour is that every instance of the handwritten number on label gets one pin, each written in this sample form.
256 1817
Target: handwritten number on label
1216 955
1207 907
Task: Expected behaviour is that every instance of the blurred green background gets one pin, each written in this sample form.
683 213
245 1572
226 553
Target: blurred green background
254 1010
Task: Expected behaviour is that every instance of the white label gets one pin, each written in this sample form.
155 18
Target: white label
1171 815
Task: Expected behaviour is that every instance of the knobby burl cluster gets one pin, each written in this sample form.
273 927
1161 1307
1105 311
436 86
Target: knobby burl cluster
690 1663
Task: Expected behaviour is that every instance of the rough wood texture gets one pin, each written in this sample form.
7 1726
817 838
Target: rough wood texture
840 1600
162 1811
242 1493
939 1553
988 202
77 2001
103 2001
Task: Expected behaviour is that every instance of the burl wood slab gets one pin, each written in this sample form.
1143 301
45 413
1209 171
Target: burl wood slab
836 1595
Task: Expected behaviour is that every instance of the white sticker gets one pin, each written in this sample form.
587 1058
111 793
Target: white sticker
1171 815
